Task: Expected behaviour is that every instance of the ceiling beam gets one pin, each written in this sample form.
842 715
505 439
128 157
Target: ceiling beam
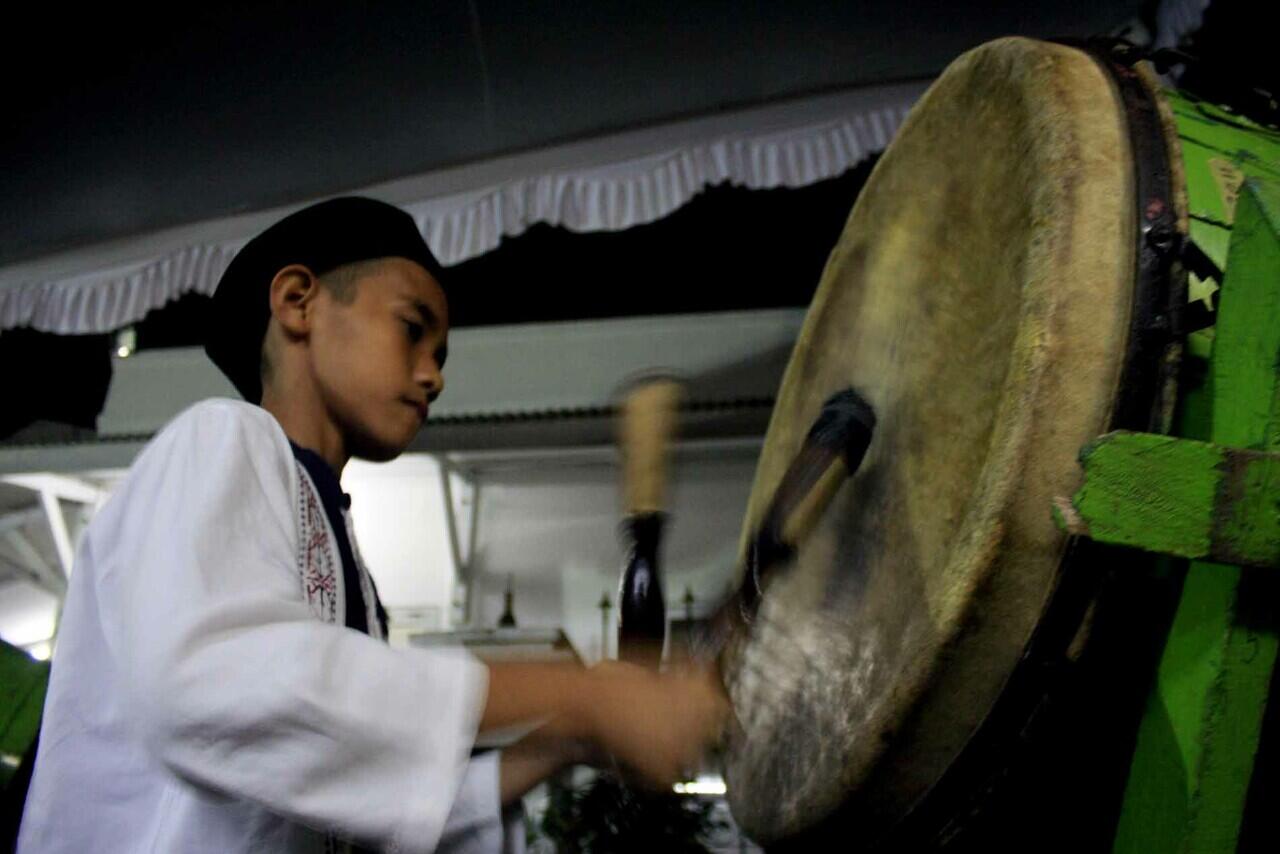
21 518
31 565
461 560
58 527
63 486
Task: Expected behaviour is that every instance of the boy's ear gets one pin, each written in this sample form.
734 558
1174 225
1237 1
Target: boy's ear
293 290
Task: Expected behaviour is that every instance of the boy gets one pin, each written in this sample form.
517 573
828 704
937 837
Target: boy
221 681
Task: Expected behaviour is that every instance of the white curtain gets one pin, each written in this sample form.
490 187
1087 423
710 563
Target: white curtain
606 184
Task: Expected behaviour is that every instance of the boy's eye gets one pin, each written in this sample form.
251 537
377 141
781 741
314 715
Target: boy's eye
414 330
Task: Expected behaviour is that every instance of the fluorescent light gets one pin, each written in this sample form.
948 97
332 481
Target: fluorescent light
126 342
32 624
702 786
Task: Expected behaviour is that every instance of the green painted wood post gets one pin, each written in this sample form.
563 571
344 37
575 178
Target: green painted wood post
1179 497
1194 754
22 686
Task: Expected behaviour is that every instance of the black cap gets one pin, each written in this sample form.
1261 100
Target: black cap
322 238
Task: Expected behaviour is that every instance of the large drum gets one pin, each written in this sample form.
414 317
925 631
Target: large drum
1008 286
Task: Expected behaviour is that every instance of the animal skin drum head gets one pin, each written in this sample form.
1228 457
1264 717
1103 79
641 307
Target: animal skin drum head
979 297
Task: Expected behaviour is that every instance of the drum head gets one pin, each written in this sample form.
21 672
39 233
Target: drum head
979 297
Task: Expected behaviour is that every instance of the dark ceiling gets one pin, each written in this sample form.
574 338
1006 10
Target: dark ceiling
125 120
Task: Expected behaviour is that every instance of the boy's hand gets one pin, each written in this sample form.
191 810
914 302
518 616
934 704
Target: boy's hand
658 726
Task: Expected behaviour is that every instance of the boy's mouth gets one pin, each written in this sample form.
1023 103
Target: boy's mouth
420 406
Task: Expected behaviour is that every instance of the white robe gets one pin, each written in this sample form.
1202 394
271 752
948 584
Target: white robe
204 698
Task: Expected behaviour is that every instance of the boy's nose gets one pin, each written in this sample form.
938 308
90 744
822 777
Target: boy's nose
430 378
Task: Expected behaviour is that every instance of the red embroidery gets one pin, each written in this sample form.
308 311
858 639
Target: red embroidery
316 564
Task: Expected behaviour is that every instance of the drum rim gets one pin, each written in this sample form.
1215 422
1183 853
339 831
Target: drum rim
1052 83
1144 400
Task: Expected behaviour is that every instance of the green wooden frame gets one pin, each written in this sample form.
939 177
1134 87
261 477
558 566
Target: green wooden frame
1216 500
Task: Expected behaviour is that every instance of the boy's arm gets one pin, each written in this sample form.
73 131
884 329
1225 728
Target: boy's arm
657 726
529 761
233 684
236 687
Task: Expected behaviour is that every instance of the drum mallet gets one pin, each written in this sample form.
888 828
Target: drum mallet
832 452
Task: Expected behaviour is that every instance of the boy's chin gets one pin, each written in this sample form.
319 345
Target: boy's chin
379 454
381 449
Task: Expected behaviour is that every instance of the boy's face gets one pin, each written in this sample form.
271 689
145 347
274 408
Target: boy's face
377 360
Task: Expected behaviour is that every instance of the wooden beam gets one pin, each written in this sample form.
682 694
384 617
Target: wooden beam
1181 497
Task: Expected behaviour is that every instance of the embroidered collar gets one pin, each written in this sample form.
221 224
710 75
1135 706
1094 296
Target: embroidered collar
335 501
326 481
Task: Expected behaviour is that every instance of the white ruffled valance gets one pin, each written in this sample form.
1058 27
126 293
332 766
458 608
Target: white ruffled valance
606 184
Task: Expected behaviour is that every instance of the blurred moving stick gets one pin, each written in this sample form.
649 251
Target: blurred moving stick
647 424
832 452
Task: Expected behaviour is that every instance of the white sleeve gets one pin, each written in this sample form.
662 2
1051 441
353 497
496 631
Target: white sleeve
477 823
235 686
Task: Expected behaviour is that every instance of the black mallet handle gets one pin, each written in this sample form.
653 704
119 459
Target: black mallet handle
832 452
